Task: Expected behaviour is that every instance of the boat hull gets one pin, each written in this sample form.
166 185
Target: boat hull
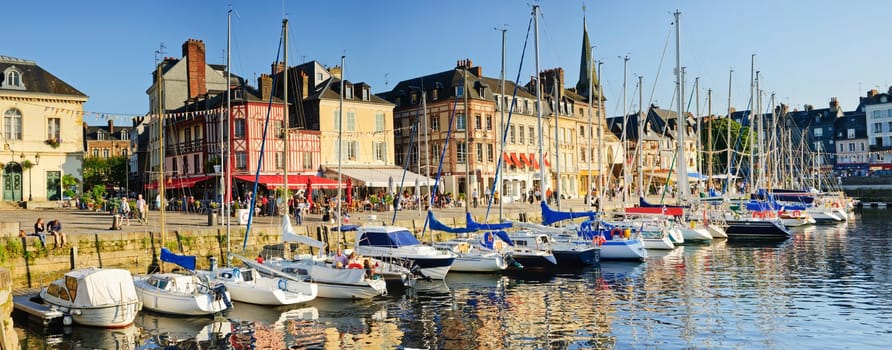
534 261
756 229
285 292
111 316
716 231
371 289
631 249
492 262
577 257
663 243
179 303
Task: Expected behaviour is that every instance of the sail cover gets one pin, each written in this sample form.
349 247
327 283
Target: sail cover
439 226
552 216
186 261
479 226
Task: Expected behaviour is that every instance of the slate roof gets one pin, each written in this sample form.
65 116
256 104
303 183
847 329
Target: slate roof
659 119
92 130
37 79
851 120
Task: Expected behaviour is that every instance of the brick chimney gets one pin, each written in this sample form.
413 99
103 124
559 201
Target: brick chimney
548 78
305 84
111 126
277 68
871 93
194 52
834 104
336 72
265 82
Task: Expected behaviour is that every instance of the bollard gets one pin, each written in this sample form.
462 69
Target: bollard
212 261
72 257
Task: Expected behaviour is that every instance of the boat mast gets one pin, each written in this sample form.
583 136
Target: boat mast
760 135
467 158
225 204
698 150
588 150
681 126
728 137
341 144
602 123
501 128
640 150
557 148
539 105
749 135
709 137
625 147
163 201
287 121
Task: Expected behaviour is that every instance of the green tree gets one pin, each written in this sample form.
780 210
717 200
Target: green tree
105 171
741 139
69 183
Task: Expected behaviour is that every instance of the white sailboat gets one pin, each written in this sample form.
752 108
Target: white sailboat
95 297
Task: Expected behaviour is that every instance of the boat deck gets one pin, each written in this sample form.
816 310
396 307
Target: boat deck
37 313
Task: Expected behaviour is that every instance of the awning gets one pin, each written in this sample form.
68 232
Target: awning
547 162
178 183
508 160
295 182
525 160
534 161
516 161
382 177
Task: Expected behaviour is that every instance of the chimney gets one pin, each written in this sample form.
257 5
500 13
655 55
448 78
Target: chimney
305 86
265 82
336 72
111 126
834 104
871 93
276 68
478 71
808 108
194 52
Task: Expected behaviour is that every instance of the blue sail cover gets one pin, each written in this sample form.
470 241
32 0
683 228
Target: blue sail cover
439 226
186 261
489 237
479 226
645 204
551 216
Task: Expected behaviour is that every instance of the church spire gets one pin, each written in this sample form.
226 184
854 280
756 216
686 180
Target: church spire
588 79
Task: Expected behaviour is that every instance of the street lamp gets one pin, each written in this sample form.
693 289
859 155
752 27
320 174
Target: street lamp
36 163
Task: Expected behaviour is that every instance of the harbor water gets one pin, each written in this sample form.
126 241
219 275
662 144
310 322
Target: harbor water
828 287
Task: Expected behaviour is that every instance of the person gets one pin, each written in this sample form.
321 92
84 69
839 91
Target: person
369 269
353 261
40 231
158 201
125 210
141 208
340 259
476 197
259 259
55 228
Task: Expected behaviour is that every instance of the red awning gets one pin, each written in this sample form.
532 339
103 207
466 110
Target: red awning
535 163
508 160
294 181
547 162
178 183
516 161
525 161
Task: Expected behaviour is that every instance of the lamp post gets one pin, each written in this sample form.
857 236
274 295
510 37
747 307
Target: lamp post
36 163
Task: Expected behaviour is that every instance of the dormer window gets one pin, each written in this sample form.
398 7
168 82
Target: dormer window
13 79
100 135
365 94
348 92
460 91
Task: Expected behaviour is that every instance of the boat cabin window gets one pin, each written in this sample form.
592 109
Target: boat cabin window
71 285
388 239
520 243
53 290
157 283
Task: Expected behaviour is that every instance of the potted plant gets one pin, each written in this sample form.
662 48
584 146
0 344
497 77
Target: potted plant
53 142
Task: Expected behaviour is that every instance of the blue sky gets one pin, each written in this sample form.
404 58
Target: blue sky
807 51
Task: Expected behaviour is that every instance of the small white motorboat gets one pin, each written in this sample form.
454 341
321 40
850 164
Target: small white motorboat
95 297
247 285
181 294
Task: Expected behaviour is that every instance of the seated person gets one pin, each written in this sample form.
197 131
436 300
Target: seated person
55 228
40 231
353 262
369 269
340 259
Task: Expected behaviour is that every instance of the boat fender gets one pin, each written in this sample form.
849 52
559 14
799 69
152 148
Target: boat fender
796 213
615 231
283 285
354 266
236 273
835 205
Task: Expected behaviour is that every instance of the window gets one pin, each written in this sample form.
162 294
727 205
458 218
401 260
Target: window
126 135
819 132
520 130
279 129
280 160
461 152
100 135
105 153
511 135
851 133
336 119
436 151
889 126
490 155
95 152
498 103
862 147
532 135
851 147
582 155
351 150
435 123
379 151
876 114
414 98
308 160
348 92
239 128
379 121
460 122
840 148
196 160
478 123
12 124
581 131
351 121
479 152
889 113
877 127
365 94
241 160
13 79
489 122
460 91
54 129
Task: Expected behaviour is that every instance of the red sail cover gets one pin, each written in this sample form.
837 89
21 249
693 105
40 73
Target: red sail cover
672 211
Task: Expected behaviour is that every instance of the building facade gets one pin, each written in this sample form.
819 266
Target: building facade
878 118
42 131
852 148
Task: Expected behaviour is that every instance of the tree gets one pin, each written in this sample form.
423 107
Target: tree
105 171
69 184
741 139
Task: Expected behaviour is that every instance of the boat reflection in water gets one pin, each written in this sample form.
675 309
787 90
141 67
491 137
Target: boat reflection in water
264 327
172 332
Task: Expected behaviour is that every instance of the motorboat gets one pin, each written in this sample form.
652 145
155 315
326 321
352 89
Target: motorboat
394 243
95 297
531 250
618 243
247 285
332 281
471 256
181 293
568 248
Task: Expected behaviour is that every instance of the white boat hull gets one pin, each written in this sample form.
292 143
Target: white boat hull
111 316
822 215
632 249
663 243
716 231
332 282
274 294
676 236
490 262
188 304
371 289
695 235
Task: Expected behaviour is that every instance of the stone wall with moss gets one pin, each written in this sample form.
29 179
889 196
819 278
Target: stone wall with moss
8 338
